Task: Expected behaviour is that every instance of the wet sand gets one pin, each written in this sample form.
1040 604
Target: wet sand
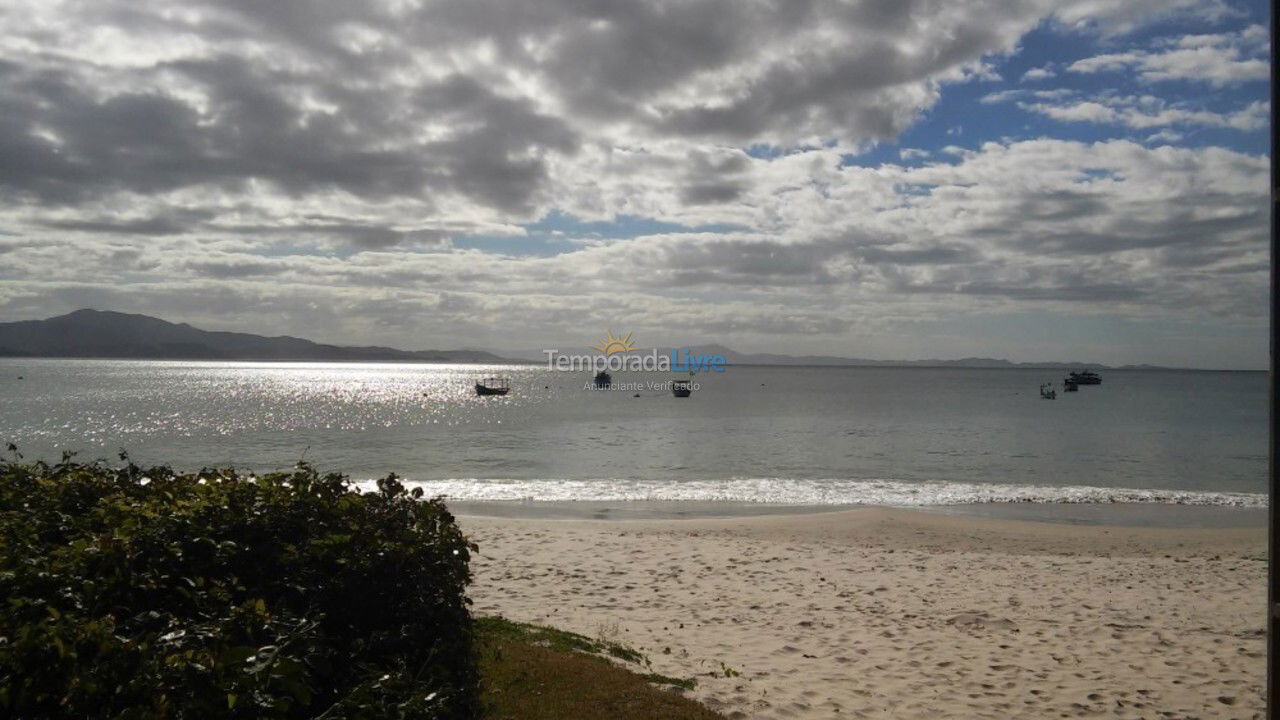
890 613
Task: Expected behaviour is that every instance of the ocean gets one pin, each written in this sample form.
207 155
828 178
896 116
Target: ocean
763 437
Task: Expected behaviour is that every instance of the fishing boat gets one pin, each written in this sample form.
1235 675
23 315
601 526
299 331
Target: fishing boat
1047 392
603 379
1088 377
1070 385
681 388
493 386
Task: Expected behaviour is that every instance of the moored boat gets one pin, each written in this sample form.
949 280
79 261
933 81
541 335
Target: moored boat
681 388
1087 377
493 386
1047 392
603 379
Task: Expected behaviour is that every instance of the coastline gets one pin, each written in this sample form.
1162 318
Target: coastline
882 612
1151 514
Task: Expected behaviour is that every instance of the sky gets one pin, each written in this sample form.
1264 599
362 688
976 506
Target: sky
887 179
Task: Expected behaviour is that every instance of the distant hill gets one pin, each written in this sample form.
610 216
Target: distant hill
737 358
740 358
103 334
106 334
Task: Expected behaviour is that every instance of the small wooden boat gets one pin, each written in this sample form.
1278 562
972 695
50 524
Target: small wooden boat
493 386
681 388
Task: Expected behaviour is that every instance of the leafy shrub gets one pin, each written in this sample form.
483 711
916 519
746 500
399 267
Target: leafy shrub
147 593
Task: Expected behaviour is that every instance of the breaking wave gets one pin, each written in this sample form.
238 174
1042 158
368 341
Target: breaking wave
785 491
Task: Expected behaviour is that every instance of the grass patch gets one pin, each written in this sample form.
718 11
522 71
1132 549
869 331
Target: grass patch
536 673
558 640
682 683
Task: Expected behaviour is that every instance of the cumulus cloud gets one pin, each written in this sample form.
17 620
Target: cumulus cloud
463 102
1112 19
1048 223
1146 111
1165 136
1132 111
1039 73
1217 59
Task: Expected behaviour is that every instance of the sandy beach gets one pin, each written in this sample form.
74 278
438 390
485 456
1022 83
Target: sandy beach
902 614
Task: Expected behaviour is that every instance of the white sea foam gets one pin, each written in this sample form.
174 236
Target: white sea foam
782 491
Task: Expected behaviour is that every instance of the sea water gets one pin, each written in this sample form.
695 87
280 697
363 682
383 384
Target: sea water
768 436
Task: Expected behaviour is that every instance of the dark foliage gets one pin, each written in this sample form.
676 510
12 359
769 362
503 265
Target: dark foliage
145 593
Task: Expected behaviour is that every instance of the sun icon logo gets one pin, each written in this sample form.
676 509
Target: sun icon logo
611 345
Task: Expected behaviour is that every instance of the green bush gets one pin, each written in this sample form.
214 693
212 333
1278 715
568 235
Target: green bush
146 593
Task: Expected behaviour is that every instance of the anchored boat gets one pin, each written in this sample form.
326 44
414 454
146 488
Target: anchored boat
493 386
1088 377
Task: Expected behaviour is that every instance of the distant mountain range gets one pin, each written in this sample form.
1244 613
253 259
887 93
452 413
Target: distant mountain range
105 334
737 358
102 334
733 357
